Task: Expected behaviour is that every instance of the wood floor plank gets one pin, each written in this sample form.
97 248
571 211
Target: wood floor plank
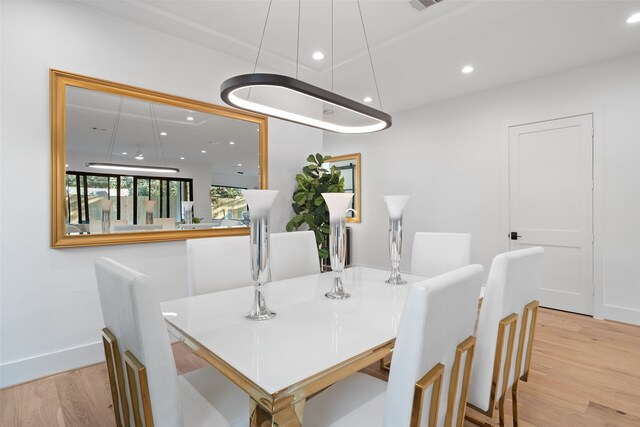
31 405
79 408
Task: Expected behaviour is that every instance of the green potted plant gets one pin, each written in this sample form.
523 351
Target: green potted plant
309 205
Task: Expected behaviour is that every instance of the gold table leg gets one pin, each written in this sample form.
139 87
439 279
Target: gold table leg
291 416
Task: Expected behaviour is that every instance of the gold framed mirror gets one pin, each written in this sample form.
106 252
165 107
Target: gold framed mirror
124 159
349 167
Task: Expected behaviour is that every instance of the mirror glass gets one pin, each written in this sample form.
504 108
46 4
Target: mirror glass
349 167
151 167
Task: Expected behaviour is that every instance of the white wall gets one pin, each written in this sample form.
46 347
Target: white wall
234 180
451 157
50 316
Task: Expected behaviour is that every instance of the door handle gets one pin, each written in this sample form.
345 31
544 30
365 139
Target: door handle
514 235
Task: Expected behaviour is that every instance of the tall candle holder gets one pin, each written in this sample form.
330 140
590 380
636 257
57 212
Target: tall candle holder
187 215
259 203
337 204
149 206
395 205
106 215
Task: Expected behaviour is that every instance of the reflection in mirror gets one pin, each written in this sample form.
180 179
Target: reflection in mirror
136 164
349 167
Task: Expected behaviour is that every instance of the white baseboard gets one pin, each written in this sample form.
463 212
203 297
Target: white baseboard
621 314
30 369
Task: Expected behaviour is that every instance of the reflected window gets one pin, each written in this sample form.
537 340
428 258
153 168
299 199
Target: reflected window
84 193
228 203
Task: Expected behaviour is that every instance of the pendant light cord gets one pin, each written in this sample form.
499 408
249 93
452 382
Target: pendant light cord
298 42
264 29
373 71
332 47
112 141
156 134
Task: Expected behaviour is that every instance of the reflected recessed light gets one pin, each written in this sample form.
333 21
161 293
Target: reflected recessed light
467 69
190 118
239 164
66 165
634 19
181 158
214 143
367 99
140 157
163 133
231 142
204 151
317 55
124 153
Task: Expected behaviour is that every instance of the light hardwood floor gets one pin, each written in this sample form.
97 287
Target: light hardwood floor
584 372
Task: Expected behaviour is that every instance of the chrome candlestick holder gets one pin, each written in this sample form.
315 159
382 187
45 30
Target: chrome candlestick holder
337 204
395 205
259 203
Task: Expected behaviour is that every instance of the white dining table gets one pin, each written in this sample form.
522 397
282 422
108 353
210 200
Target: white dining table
311 343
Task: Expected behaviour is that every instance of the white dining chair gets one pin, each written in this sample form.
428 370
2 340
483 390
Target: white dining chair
430 368
166 223
506 327
293 254
137 348
436 253
219 263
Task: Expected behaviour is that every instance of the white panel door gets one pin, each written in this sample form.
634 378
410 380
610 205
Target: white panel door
551 205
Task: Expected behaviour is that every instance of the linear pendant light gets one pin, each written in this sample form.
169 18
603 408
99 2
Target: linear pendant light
231 86
229 89
116 166
139 156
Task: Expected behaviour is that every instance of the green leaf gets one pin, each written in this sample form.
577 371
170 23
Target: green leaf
290 226
323 253
300 197
319 158
319 200
311 158
325 159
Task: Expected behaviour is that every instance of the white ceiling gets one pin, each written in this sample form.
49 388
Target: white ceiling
417 55
98 124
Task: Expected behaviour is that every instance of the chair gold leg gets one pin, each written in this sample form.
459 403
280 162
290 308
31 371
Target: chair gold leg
514 402
385 366
501 410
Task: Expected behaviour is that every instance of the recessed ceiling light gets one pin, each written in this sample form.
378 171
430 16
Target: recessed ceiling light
214 143
231 142
163 133
181 158
239 164
204 151
66 165
139 157
634 19
124 153
367 99
467 69
317 55
190 118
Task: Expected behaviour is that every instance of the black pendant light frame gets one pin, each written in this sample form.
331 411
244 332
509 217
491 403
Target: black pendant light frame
286 82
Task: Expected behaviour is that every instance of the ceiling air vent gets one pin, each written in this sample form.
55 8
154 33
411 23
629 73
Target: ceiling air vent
421 5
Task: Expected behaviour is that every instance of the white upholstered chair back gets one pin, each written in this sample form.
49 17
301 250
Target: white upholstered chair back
437 253
293 254
166 223
439 314
513 282
219 263
131 311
